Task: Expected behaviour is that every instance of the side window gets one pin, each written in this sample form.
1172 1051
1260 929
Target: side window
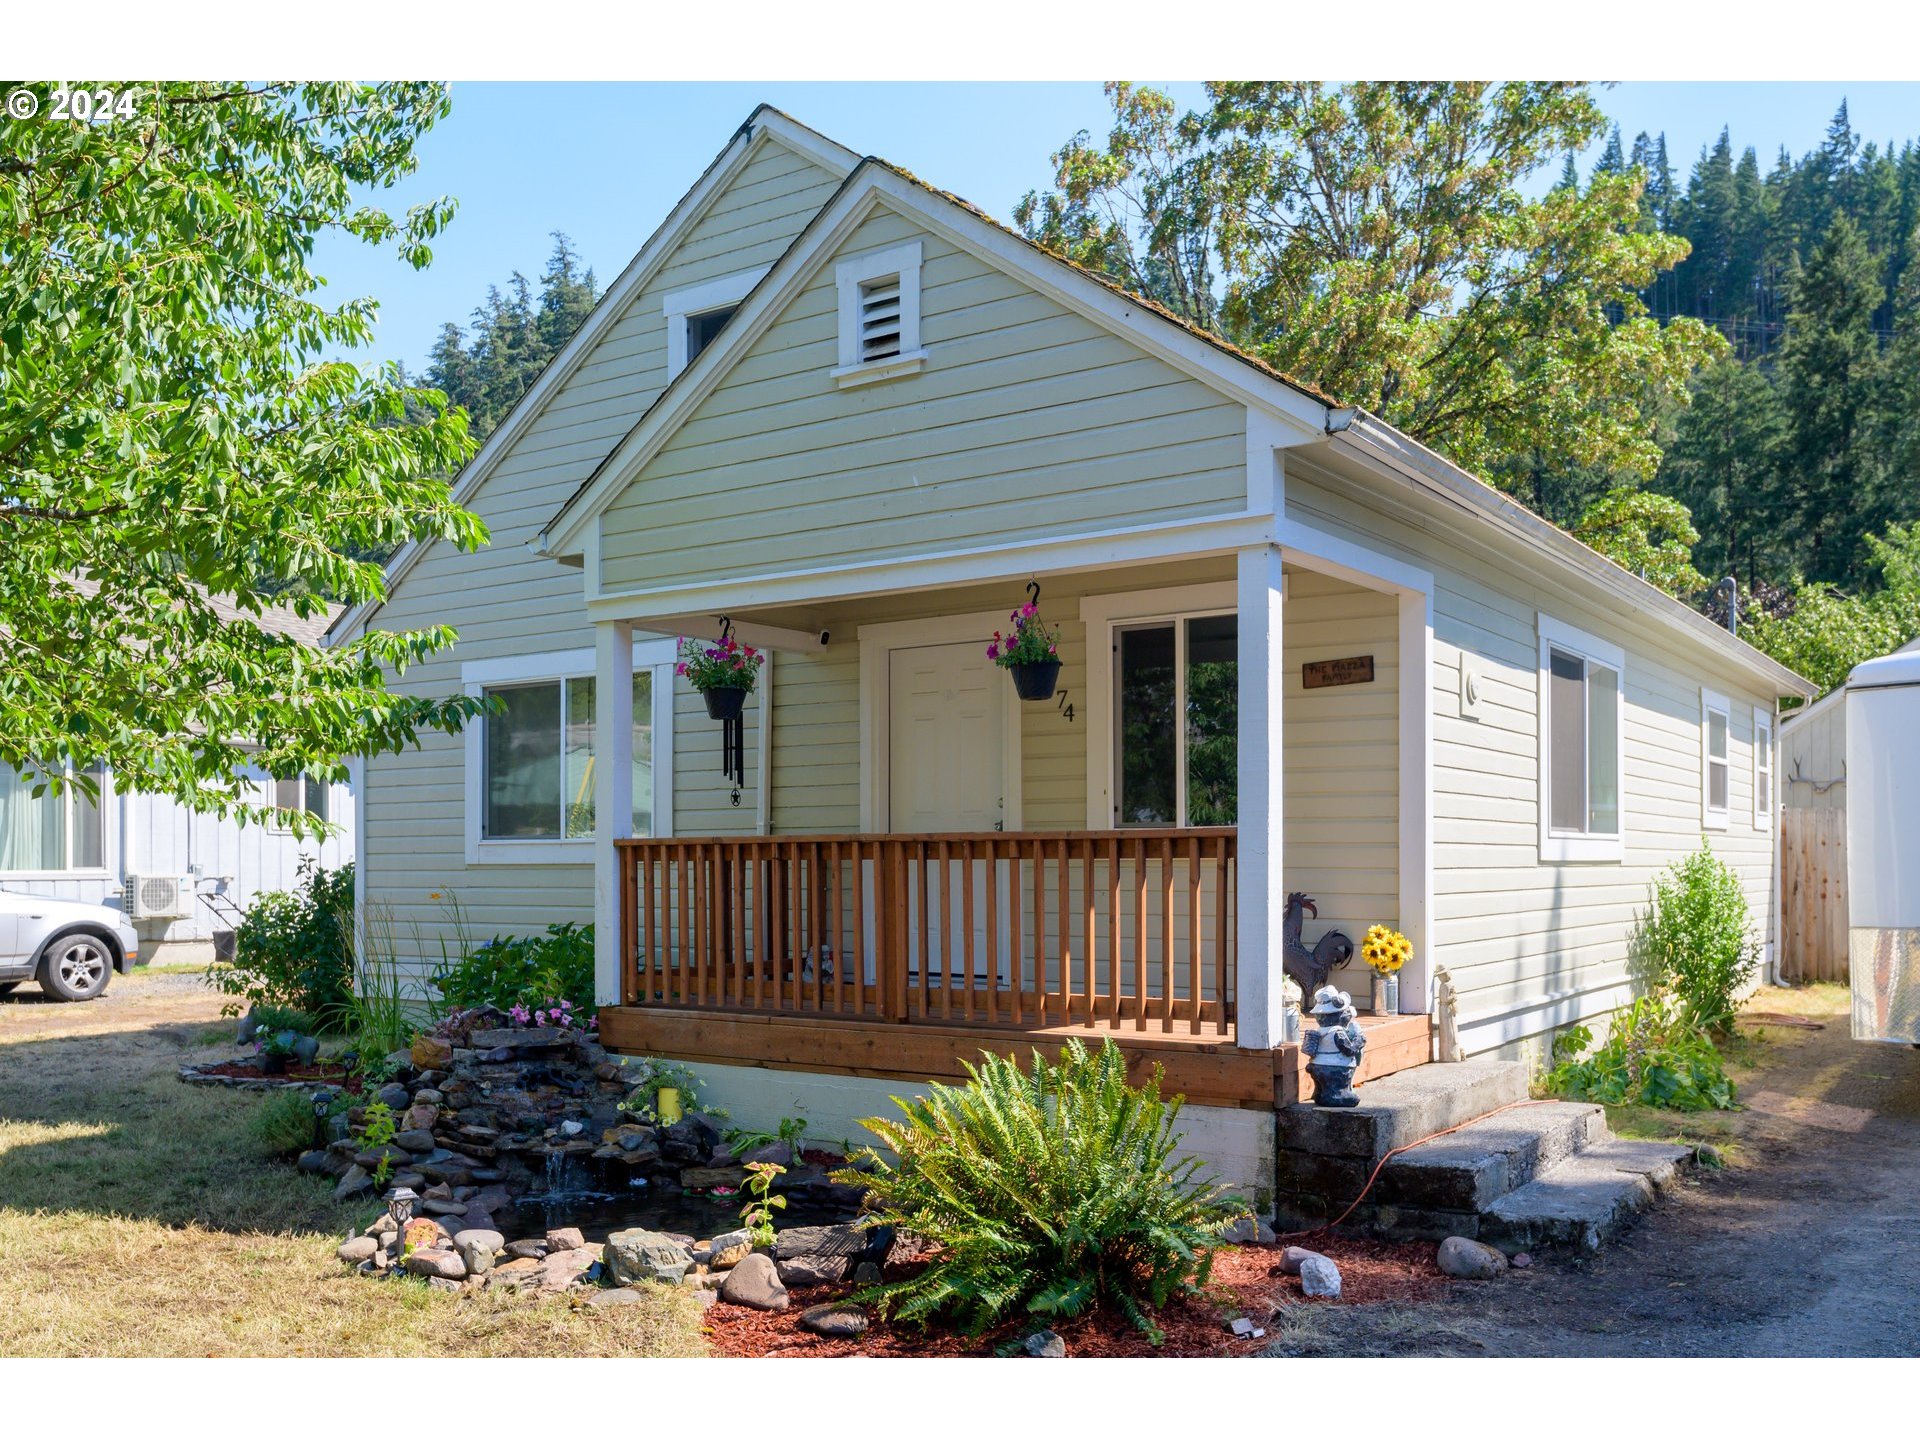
1762 769
1581 701
1716 729
1176 721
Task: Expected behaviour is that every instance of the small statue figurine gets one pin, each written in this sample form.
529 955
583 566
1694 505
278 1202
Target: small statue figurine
1446 1009
1333 1049
1290 998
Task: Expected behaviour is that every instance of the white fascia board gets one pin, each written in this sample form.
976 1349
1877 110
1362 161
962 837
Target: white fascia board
1371 439
1303 418
763 125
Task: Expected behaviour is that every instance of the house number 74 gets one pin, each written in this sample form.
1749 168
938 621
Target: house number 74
1063 705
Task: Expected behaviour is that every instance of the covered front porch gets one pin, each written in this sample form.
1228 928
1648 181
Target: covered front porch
992 874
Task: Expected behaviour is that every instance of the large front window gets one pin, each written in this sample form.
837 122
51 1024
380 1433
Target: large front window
48 831
1177 721
540 756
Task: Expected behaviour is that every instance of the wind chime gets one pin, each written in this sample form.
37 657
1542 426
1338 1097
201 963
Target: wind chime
733 730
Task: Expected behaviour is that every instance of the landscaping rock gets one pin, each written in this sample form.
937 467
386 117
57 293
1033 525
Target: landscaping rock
1294 1256
728 1250
639 1254
425 1233
756 1284
707 1177
563 1267
1248 1229
846 1243
318 1162
420 1117
479 1248
355 1182
441 1264
1466 1259
429 1052
837 1322
370 1159
1045 1346
527 1249
1320 1278
395 1097
774 1152
866 1273
568 1238
359 1249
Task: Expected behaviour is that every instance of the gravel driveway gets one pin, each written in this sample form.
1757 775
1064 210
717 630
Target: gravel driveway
1809 1245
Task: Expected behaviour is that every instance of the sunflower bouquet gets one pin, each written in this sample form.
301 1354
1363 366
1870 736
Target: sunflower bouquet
1386 950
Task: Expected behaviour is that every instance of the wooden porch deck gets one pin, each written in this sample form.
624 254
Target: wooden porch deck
1206 1068
898 957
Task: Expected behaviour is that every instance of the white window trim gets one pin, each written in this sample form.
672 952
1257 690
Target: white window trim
109 837
1712 702
277 826
476 675
1763 764
1559 846
849 275
1102 615
679 306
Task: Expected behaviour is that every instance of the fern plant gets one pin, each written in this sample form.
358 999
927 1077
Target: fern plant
1045 1193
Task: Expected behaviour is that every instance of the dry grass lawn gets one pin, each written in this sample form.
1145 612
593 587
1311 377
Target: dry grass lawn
139 1217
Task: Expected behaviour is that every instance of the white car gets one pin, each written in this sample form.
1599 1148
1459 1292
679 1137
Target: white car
70 947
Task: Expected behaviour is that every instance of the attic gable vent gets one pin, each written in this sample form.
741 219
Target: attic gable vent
879 315
879 319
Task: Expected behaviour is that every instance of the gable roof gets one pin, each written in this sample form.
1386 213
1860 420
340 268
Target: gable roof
279 620
765 124
1146 324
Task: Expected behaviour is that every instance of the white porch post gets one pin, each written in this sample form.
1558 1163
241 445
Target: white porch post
1262 895
612 796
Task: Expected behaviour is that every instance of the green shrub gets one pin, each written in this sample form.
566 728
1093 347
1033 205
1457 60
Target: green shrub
295 948
1656 1054
284 1122
524 970
1698 937
282 1017
1043 1193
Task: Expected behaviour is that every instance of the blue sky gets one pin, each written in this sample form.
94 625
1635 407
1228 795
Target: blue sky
605 162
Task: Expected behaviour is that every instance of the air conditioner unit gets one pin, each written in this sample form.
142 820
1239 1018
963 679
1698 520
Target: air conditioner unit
159 897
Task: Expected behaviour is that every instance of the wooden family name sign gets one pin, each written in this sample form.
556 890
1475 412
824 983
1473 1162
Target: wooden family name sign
1354 670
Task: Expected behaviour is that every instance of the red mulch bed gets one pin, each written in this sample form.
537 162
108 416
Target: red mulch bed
325 1072
1244 1283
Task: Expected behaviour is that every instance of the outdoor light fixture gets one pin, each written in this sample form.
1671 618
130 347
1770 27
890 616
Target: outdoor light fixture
322 1112
400 1206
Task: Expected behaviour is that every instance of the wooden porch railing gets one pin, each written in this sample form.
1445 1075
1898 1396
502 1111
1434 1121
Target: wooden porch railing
1120 928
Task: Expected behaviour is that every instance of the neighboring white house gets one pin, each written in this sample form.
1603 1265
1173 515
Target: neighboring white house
853 418
182 876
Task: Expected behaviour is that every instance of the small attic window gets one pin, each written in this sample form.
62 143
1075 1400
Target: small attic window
703 330
696 315
879 315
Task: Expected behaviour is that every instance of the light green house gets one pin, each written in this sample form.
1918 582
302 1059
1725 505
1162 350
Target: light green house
853 419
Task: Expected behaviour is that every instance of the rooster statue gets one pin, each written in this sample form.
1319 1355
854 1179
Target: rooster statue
1310 968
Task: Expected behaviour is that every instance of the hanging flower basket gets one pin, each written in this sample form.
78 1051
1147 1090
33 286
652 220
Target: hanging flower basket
1031 652
723 671
725 703
1035 681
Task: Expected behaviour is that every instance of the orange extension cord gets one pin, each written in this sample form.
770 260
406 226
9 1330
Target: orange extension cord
1400 1150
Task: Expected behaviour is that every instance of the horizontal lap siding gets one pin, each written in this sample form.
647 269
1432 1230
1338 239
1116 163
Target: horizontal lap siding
1533 946
1026 419
506 601
1341 762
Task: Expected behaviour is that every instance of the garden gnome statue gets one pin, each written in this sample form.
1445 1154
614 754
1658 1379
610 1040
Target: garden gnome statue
1333 1048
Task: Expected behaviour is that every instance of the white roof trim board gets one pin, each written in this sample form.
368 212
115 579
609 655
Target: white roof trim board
764 124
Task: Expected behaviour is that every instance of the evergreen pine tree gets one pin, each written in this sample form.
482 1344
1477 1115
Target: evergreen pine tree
1830 373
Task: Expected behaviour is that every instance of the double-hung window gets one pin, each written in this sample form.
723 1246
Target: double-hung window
49 833
1762 769
1716 727
532 759
1582 705
1176 720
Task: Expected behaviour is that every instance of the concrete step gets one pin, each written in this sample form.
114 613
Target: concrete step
1586 1199
1476 1165
1399 1109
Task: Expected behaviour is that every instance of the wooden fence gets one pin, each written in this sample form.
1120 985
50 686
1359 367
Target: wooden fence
1813 914
1128 928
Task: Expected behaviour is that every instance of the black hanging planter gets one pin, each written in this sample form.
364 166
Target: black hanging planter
725 704
1036 679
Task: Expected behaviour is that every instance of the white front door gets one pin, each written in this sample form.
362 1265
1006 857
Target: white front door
945 761
946 769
